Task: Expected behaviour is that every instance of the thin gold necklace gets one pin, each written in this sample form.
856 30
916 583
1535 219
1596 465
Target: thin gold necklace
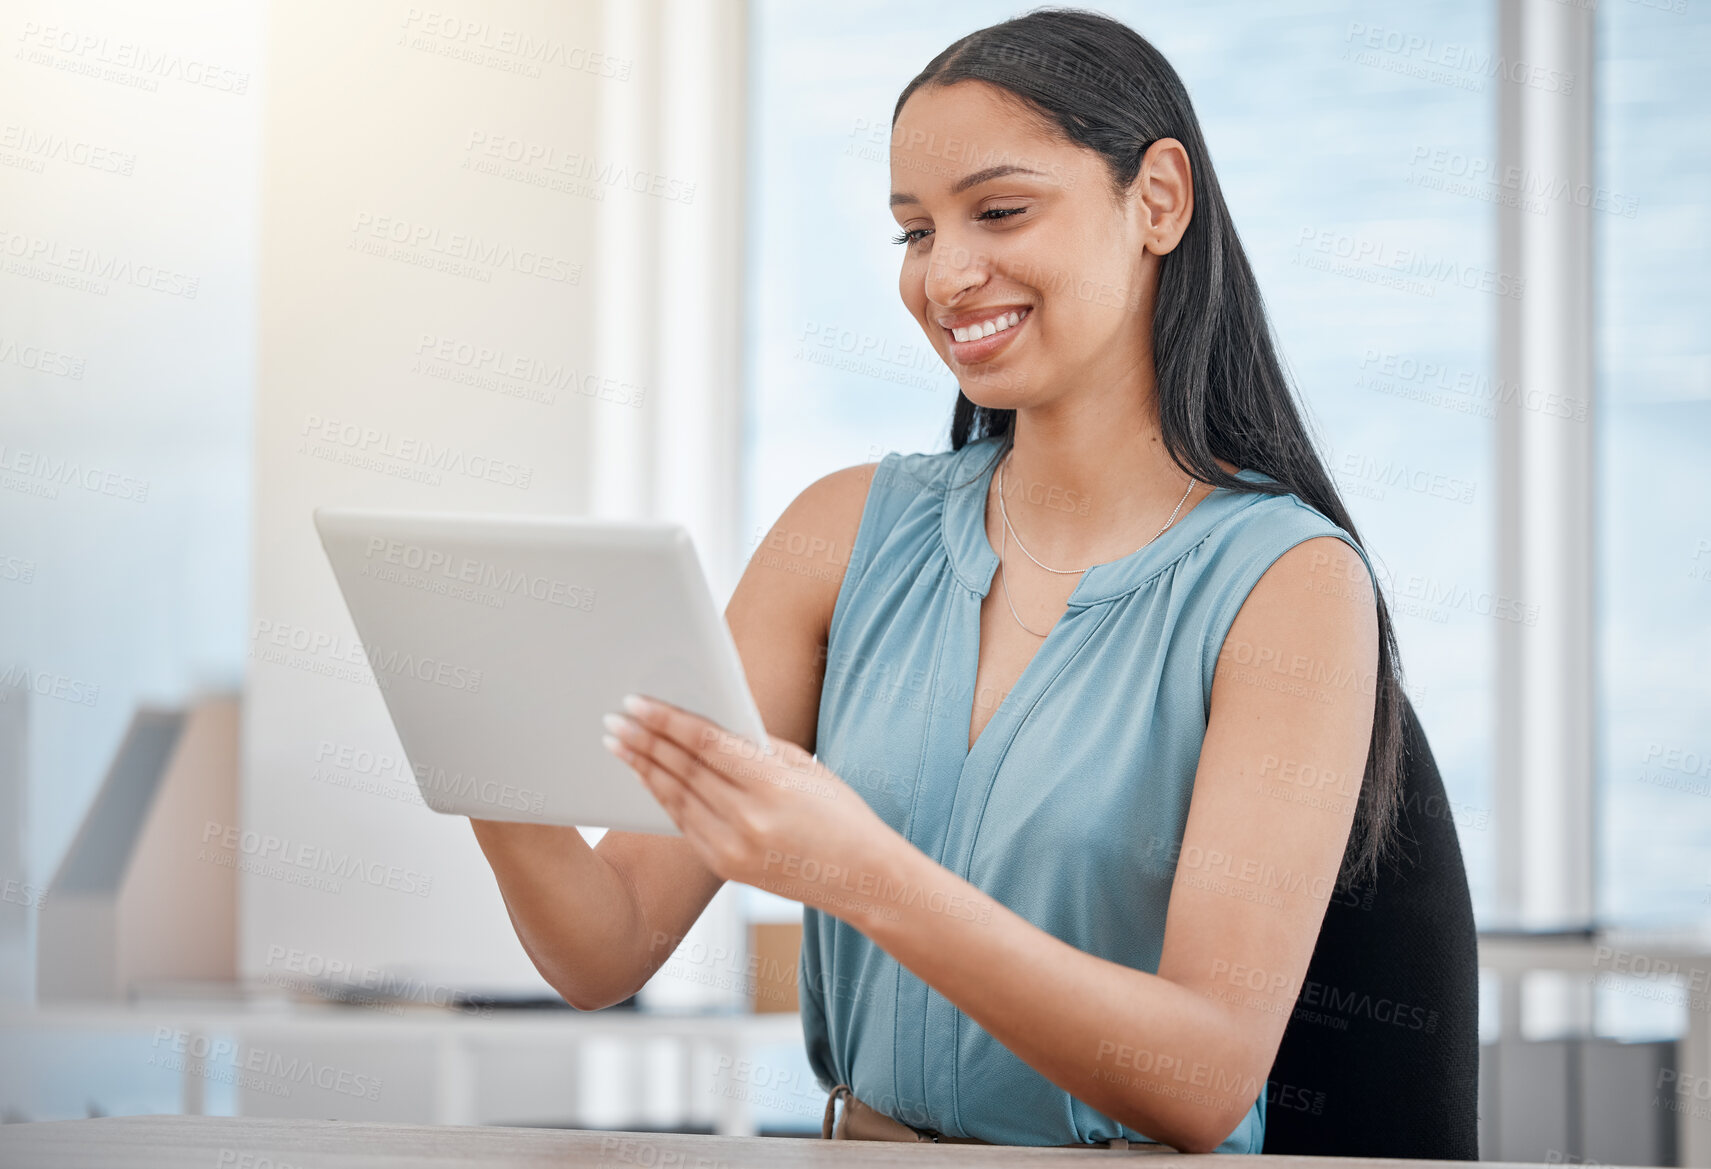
1010 532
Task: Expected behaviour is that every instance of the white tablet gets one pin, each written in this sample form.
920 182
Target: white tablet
499 641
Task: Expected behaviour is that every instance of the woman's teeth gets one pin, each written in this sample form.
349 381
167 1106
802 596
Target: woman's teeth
986 328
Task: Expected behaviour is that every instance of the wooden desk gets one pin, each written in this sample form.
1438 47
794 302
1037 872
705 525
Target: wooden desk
174 1142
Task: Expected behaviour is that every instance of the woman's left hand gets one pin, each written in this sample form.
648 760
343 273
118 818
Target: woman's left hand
766 814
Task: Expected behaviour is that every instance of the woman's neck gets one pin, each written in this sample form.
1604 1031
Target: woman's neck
1090 489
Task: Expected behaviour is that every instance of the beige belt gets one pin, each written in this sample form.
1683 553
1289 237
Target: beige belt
861 1123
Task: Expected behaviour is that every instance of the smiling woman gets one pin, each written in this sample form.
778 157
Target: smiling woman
1039 829
1092 262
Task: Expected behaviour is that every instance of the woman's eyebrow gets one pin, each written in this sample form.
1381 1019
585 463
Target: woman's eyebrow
967 181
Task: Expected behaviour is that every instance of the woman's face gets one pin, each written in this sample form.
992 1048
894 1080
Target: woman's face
1024 272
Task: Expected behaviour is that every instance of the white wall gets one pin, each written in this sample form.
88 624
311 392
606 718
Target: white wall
461 211
128 141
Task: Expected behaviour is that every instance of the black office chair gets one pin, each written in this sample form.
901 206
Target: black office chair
1381 1057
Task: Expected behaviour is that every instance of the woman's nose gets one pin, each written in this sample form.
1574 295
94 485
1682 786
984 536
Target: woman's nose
952 270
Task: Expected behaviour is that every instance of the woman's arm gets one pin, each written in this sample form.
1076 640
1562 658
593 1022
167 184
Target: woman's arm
1181 1055
598 922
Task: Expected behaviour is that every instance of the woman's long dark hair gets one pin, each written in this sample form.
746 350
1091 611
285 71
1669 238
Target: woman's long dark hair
1221 392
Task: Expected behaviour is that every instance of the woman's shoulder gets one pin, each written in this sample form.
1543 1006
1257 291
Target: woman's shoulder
1272 567
1257 523
877 494
1249 535
937 471
823 519
835 501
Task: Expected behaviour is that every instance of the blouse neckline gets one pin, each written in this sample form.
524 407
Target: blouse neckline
974 560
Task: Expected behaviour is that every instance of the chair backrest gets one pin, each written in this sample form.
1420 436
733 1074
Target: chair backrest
1381 1056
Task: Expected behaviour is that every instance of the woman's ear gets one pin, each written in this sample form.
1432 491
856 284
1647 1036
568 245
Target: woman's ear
1161 197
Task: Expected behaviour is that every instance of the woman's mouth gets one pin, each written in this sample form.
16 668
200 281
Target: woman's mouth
980 334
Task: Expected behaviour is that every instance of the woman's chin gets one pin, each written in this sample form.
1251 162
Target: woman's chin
992 386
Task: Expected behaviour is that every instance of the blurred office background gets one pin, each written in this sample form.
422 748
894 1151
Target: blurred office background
635 254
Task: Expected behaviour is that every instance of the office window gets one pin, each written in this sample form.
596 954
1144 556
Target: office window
1652 239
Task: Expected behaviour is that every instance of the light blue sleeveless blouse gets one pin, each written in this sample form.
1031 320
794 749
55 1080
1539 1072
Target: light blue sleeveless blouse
1069 810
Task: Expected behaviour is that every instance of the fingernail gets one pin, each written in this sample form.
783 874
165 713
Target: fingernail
611 744
636 704
614 722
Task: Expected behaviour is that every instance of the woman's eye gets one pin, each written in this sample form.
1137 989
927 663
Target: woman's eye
914 235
